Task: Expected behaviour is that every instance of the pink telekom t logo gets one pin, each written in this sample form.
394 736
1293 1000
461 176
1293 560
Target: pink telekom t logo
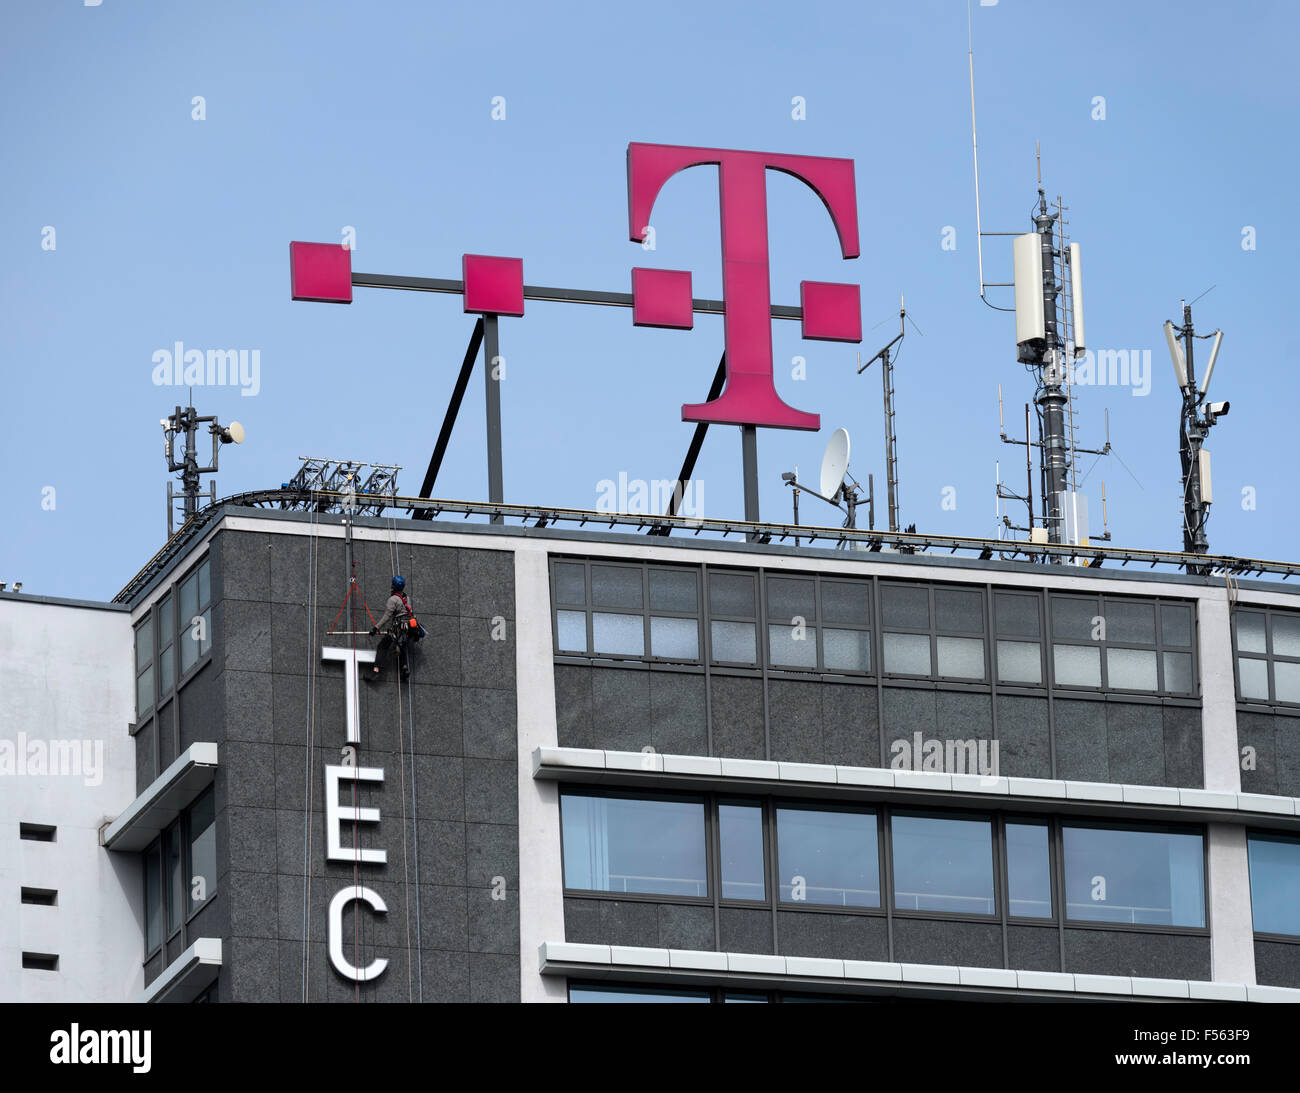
831 312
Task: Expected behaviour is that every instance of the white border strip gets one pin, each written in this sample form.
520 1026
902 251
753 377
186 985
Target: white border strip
198 757
559 958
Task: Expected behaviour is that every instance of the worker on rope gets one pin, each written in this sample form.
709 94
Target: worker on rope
398 626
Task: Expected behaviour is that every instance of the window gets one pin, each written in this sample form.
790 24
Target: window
740 835
173 864
1019 637
615 610
144 668
1268 655
1029 869
203 850
1134 876
951 648
943 864
37 833
621 992
166 646
1122 644
828 856
1275 883
194 602
627 844
733 614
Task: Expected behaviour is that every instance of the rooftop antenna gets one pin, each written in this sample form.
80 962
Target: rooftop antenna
1196 418
186 420
837 486
891 436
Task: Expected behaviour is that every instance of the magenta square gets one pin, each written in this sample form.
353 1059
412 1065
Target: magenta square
320 271
493 286
662 297
831 312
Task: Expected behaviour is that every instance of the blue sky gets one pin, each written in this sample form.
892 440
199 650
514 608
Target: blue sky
379 117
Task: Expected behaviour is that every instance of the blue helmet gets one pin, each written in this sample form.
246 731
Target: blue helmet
399 583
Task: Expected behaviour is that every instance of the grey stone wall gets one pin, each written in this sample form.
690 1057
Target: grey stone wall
456 799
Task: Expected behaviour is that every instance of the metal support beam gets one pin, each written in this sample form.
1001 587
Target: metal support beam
449 419
749 456
492 379
693 450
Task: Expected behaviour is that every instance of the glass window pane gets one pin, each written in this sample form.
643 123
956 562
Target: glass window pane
1286 635
744 996
1151 877
1029 875
828 857
1286 681
203 849
943 864
1020 662
845 601
1275 883
905 605
570 583
619 844
166 624
1077 665
676 638
1129 620
205 644
733 642
166 670
731 594
1072 616
740 834
175 878
1250 632
205 585
793 646
144 645
788 597
1017 615
960 657
674 590
189 601
622 635
572 628
152 899
615 586
846 650
1254 678
617 992
959 609
1176 624
1131 669
907 654
1178 673
144 692
189 644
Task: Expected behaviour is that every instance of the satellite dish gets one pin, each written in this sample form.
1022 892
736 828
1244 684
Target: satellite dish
835 464
233 433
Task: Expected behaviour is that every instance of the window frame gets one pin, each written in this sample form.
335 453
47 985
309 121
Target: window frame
1269 658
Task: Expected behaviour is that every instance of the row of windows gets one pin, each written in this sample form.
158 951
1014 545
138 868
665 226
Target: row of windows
181 621
1268 656
635 993
825 624
180 871
828 856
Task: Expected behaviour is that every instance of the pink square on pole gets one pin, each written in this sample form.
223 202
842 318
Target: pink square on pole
831 312
321 272
493 286
662 297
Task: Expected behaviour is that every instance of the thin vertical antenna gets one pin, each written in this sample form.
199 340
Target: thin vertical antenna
974 147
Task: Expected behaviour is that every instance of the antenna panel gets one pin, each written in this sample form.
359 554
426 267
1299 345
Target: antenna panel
1027 257
1207 490
1076 298
1176 355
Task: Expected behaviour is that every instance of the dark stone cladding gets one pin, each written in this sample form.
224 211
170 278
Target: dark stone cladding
1277 963
1274 766
632 707
459 725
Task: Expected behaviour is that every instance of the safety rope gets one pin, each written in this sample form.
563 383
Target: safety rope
313 563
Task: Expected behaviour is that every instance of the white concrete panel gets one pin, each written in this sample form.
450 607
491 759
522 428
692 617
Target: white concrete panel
1232 938
541 875
1219 695
67 676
